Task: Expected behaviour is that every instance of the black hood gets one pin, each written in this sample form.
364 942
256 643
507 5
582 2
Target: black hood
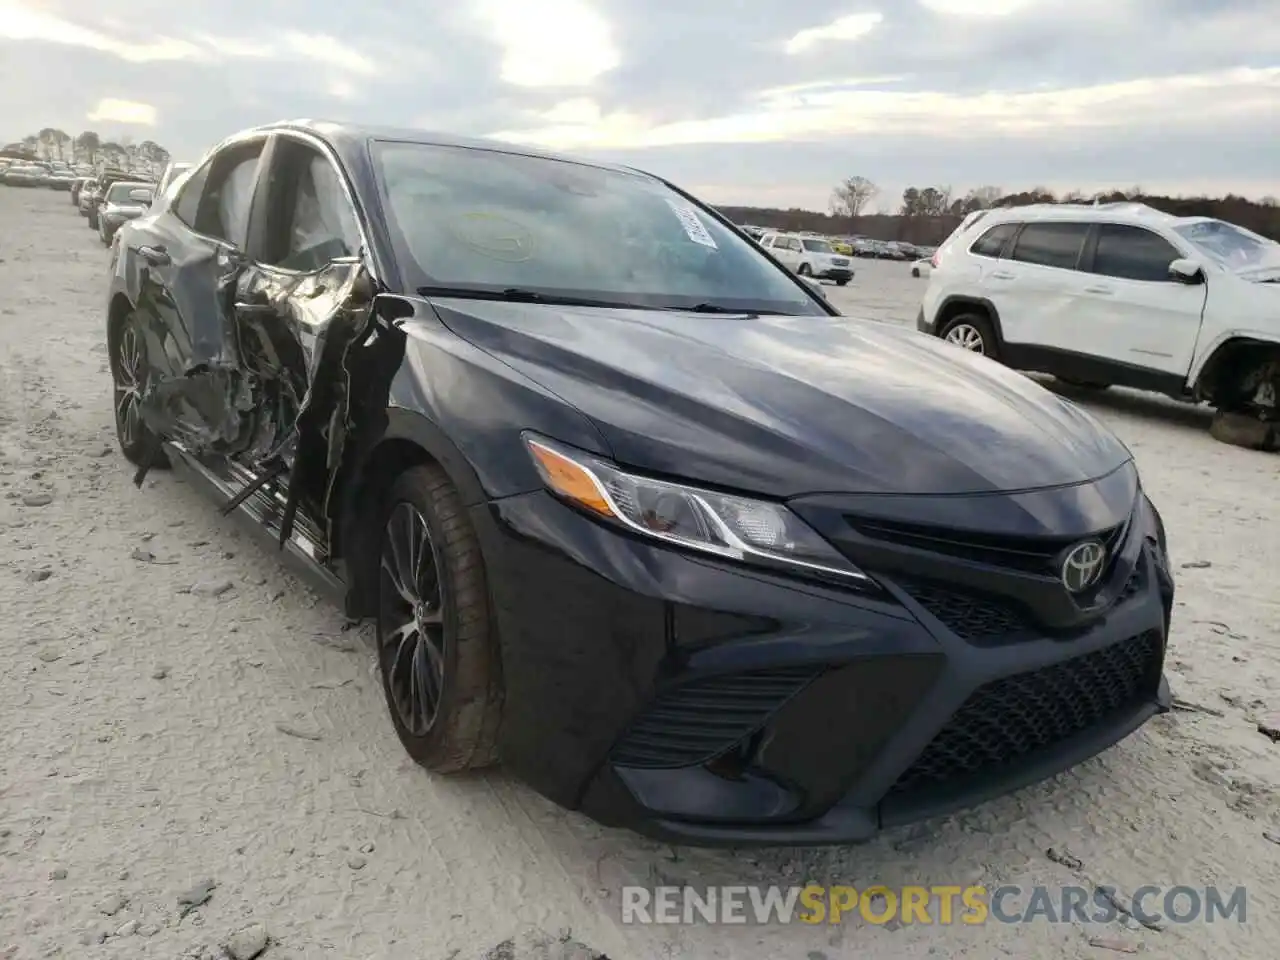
788 405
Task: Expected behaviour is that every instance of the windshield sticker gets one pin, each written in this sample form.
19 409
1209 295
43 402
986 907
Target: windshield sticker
692 224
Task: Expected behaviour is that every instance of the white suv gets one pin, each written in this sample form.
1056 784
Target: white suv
1119 294
809 256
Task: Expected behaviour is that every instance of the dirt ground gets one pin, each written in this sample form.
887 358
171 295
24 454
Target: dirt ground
176 711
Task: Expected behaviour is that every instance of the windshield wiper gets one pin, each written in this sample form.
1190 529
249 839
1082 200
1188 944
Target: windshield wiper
524 295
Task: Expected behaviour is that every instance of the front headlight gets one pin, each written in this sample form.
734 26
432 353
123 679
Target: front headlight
752 531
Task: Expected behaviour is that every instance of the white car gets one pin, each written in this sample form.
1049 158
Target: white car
1119 294
809 256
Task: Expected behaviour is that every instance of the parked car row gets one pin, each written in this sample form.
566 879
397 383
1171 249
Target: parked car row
647 523
1120 294
54 174
111 198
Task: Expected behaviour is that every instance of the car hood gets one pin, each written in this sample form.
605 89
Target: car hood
783 406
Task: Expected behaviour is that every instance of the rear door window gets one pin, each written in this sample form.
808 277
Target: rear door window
1051 244
1133 253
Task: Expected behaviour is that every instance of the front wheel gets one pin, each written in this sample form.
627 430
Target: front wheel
1251 417
437 648
129 377
972 332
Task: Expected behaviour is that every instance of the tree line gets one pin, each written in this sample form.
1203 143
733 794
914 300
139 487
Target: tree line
926 215
89 147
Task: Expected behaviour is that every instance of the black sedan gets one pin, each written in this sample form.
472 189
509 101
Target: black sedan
634 509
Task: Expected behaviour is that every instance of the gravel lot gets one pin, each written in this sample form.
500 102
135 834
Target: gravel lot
157 736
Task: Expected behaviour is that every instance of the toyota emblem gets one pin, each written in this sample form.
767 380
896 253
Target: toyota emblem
1083 565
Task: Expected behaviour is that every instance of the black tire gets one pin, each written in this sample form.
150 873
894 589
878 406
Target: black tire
128 376
804 270
842 283
450 618
955 328
915 271
1244 430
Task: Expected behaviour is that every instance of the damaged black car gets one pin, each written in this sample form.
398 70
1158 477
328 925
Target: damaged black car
634 510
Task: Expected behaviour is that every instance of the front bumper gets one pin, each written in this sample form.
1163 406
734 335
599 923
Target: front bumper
834 273
923 325
701 702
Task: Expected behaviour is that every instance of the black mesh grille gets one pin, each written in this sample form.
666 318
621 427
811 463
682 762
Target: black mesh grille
972 617
1028 554
695 722
1014 717
992 621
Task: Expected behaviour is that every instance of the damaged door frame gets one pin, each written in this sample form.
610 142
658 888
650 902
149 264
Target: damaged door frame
263 499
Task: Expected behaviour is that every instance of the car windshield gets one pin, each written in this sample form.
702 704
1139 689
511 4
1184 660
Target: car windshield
119 193
817 246
490 221
1234 247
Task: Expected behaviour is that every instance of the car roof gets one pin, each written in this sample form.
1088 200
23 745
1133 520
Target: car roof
1120 212
350 140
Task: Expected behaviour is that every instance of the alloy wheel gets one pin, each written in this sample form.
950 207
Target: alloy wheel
966 336
128 385
411 619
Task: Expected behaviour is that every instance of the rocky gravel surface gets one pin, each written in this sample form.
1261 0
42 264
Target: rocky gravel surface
195 761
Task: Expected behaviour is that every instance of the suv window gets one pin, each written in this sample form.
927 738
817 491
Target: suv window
992 242
312 221
1051 244
1133 253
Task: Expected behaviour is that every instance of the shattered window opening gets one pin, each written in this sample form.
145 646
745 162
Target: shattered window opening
318 222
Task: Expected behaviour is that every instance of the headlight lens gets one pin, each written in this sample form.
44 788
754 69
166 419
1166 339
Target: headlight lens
728 526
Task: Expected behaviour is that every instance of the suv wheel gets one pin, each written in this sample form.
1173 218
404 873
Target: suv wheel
437 649
972 332
804 270
1251 418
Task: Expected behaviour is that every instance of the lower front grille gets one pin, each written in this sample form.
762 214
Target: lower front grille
1015 717
698 721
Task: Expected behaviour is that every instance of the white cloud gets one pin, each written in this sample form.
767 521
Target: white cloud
851 27
978 8
330 52
19 22
123 111
820 114
550 43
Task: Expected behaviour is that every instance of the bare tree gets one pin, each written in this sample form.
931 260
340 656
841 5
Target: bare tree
982 198
851 196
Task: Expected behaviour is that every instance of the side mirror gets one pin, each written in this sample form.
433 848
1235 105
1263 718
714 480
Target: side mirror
1186 271
815 286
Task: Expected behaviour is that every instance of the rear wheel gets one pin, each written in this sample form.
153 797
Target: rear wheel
805 270
842 283
437 650
972 332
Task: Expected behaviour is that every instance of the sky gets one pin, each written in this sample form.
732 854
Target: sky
752 102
